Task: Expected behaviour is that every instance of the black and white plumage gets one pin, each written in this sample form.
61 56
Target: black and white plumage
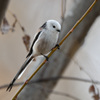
44 41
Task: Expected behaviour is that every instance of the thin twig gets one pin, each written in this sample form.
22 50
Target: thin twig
53 79
63 9
92 81
77 23
17 21
26 37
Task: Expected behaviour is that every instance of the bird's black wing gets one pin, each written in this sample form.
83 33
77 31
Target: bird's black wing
31 49
43 26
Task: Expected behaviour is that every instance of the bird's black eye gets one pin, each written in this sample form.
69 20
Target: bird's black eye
53 26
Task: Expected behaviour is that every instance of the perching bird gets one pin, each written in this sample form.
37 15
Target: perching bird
44 41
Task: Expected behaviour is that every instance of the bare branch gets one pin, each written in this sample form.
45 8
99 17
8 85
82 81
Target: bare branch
63 9
93 88
53 79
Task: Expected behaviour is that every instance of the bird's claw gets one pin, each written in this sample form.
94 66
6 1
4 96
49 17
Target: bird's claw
47 58
58 46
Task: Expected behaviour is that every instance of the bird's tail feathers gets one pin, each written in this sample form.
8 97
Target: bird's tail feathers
20 72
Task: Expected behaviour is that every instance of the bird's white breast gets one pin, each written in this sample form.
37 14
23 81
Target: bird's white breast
46 41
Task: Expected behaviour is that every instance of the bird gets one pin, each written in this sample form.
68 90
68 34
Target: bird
44 41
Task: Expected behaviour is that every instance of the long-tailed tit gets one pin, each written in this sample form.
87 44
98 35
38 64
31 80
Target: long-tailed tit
44 41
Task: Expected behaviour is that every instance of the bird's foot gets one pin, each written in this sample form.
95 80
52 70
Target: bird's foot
58 46
46 57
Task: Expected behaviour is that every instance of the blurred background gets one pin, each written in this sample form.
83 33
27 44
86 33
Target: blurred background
81 59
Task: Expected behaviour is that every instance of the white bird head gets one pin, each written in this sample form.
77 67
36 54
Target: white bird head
53 25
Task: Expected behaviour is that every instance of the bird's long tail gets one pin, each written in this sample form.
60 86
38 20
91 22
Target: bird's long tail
19 72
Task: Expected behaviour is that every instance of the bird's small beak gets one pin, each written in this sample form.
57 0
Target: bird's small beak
58 30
